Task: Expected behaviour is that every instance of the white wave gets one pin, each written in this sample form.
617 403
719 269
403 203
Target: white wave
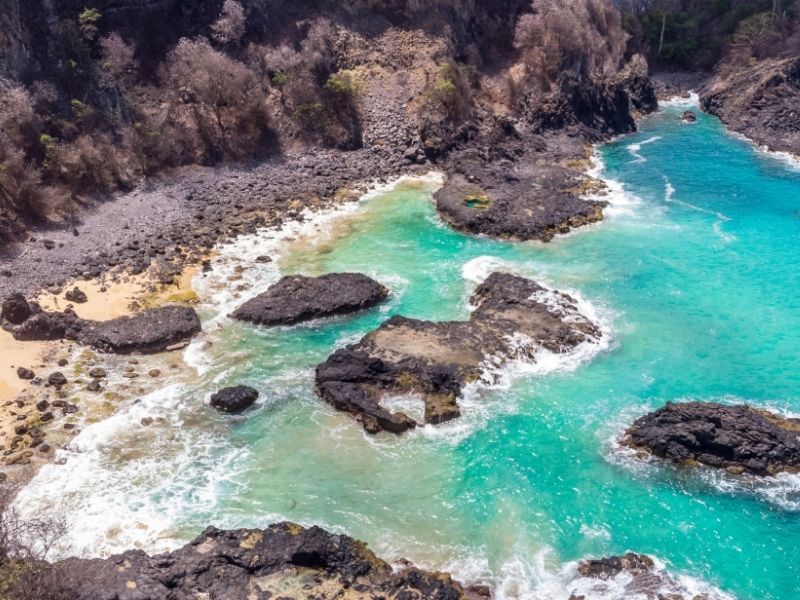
620 201
787 158
635 149
537 575
693 101
122 485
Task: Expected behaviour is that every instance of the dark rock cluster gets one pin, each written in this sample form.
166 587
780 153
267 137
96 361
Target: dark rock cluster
149 331
234 399
297 298
436 360
283 561
738 438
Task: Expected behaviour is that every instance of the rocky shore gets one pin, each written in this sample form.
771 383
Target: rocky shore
513 318
760 101
283 561
739 438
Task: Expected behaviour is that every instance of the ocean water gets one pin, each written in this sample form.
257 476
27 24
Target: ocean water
694 277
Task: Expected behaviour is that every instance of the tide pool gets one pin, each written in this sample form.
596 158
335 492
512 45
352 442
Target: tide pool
694 276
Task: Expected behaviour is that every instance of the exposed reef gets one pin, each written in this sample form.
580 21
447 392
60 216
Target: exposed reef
282 561
737 438
512 319
149 331
297 298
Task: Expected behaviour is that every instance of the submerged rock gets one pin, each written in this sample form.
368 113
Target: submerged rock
634 576
152 330
513 318
536 207
234 399
688 116
283 561
297 298
738 438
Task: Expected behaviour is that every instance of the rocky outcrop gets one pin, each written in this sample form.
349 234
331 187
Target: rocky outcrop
536 207
282 561
513 317
760 101
234 399
737 438
149 331
633 576
297 298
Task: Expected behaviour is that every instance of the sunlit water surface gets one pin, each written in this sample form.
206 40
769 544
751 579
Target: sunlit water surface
695 275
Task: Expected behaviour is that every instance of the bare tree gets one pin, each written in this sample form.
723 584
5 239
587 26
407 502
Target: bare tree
117 66
230 26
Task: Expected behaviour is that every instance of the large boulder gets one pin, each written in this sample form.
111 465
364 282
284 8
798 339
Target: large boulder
234 399
534 207
513 318
298 298
738 438
151 330
282 561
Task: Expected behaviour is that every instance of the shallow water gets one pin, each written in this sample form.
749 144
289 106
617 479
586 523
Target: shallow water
694 274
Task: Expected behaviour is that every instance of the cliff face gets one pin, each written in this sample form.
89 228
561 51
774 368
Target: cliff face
761 101
29 29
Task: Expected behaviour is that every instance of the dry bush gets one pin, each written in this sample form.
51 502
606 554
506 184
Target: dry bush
117 66
582 36
230 26
24 544
90 164
221 99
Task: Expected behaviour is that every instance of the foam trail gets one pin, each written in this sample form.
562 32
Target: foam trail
636 148
722 218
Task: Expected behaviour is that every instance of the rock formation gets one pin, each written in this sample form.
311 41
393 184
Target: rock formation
297 298
737 438
234 399
513 317
761 101
282 561
149 331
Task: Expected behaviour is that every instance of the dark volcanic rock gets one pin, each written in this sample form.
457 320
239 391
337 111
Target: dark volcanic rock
15 309
76 295
688 116
297 298
24 373
608 568
283 561
513 317
153 330
234 399
761 101
538 206
739 438
631 576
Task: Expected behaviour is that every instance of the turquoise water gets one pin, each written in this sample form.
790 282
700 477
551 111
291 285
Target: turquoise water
694 274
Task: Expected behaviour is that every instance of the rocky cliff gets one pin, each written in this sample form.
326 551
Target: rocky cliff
760 101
